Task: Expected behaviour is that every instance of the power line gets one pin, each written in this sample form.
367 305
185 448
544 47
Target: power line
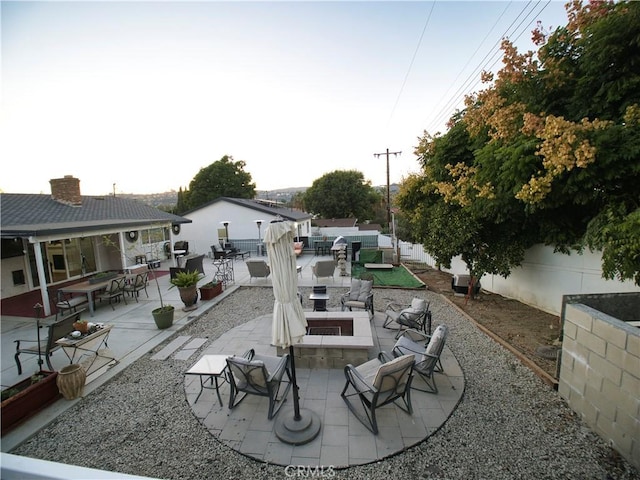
415 53
489 59
471 57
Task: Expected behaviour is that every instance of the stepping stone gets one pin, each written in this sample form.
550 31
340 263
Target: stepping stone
169 349
190 348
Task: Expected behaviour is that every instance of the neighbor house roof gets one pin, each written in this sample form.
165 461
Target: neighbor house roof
335 222
24 214
259 206
370 227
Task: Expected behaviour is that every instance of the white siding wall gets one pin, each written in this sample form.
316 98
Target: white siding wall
203 232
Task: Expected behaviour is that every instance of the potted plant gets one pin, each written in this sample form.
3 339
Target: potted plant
210 290
187 284
81 325
163 315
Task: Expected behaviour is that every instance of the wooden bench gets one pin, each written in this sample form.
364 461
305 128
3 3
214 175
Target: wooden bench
56 331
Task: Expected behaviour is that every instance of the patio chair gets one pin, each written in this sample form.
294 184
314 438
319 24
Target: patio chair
323 268
426 351
416 316
258 269
55 331
219 252
379 382
359 296
140 283
114 292
262 375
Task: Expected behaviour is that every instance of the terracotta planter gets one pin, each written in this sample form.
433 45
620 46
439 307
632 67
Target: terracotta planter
189 296
207 293
29 401
71 380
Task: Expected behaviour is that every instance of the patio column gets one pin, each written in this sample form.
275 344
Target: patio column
44 293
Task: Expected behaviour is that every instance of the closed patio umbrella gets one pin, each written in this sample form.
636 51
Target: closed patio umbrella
289 326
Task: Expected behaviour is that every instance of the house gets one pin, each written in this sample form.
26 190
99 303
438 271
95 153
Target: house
240 221
48 240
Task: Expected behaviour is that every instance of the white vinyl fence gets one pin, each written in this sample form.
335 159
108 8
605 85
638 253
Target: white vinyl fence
542 279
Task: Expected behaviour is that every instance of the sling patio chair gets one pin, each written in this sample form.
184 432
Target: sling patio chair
426 350
379 382
416 316
359 296
114 292
258 269
262 375
55 331
323 268
140 283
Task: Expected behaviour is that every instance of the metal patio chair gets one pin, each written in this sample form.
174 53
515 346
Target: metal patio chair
263 375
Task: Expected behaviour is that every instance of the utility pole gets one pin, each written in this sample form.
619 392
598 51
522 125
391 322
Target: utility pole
377 155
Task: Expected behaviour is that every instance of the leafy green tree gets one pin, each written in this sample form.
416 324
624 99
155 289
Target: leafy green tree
224 178
181 204
547 153
342 194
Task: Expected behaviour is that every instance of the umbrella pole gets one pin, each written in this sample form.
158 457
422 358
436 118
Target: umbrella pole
296 397
304 425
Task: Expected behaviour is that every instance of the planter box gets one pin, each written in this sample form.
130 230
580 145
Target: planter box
102 278
29 401
207 293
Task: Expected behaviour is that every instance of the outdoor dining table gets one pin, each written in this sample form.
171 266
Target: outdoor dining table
88 289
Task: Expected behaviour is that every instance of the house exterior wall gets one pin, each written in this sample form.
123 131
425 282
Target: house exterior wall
600 375
203 232
9 265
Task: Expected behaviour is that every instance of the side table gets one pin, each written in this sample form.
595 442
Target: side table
212 366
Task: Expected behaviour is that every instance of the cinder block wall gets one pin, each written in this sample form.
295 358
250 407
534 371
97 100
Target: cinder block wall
600 376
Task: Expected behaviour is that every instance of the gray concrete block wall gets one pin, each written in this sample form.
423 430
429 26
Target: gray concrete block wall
600 376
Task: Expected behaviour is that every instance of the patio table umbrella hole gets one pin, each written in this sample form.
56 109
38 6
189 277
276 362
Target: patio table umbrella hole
288 328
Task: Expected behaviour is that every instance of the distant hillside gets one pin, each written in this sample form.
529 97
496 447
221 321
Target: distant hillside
169 199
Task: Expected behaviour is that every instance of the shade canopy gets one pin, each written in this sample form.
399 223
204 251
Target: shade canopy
289 323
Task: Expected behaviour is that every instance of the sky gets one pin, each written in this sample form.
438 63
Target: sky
138 96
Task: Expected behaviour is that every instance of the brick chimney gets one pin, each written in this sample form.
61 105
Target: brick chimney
66 190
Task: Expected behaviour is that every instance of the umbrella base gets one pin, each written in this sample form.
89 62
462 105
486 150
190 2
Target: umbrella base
293 432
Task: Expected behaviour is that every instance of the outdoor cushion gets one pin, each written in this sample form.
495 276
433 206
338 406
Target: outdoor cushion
396 365
354 292
433 348
412 313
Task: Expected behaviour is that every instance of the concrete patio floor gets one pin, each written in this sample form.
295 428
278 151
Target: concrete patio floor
246 428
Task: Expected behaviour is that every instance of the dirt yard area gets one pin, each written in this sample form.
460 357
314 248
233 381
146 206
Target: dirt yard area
528 330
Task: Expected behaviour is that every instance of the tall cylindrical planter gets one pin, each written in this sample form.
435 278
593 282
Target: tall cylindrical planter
71 381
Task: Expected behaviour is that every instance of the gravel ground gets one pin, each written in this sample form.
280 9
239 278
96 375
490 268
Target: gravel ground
508 425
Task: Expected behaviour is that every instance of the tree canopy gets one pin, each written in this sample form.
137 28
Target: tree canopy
223 178
342 194
548 152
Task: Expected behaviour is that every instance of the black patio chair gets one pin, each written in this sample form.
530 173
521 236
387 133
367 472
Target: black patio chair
379 382
263 375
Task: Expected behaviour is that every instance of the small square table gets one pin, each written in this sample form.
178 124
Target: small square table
212 366
319 301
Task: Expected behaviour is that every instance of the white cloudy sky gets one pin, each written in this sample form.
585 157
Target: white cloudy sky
143 94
